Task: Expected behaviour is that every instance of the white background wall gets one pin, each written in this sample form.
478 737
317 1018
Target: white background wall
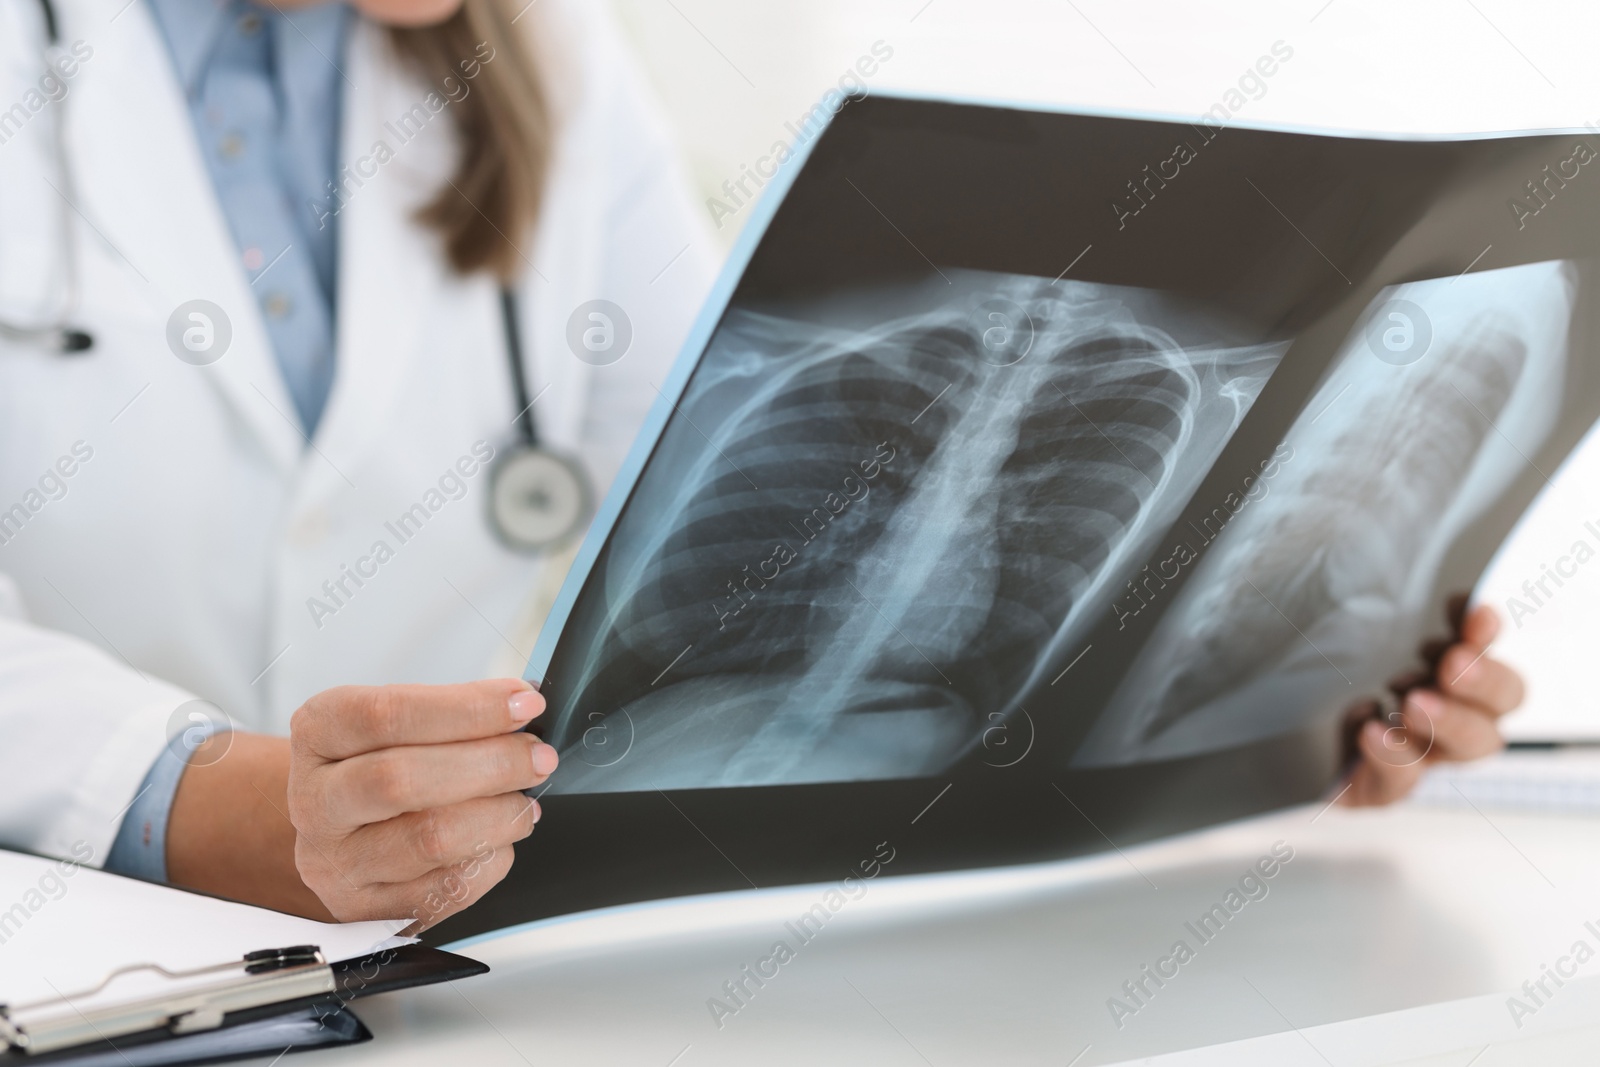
732 73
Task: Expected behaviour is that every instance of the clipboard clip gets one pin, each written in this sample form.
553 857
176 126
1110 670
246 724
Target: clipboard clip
199 1000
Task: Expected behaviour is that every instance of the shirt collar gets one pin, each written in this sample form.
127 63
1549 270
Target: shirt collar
191 28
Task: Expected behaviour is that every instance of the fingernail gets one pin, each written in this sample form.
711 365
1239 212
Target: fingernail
544 759
1426 701
538 812
525 705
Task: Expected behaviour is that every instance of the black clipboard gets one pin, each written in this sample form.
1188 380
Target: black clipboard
291 1026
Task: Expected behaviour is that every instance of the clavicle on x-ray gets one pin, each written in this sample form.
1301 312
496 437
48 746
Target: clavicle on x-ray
921 514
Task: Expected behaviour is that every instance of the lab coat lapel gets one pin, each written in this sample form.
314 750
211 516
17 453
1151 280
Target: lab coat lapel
390 274
142 185
550 298
395 288
567 257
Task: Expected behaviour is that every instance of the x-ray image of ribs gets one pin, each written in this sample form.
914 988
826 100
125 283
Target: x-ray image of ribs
1311 583
884 533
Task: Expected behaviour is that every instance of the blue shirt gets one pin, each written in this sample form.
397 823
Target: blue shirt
140 847
265 93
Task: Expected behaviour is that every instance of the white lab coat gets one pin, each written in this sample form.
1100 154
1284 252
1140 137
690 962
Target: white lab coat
180 559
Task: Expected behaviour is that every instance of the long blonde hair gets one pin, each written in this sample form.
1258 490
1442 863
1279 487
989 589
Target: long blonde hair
491 202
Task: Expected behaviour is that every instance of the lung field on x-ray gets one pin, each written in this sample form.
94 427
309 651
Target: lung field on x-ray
856 544
1307 597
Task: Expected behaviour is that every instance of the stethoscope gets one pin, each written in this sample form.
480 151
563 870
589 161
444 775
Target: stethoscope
58 336
539 498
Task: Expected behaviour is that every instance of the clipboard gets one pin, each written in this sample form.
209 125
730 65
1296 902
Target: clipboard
95 964
271 1002
296 1031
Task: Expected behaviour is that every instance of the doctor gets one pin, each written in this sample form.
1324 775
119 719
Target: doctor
272 470
319 330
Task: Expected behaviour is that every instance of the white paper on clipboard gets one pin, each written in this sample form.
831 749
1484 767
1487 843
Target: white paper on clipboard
64 928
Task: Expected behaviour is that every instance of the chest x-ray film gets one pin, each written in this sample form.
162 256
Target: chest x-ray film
1042 481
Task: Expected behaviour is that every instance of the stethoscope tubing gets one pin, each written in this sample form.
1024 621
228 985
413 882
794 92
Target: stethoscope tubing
527 427
58 335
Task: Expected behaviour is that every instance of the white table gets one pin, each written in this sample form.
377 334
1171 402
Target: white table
1391 937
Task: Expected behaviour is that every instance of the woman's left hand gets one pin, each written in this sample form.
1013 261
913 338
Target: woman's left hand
1453 715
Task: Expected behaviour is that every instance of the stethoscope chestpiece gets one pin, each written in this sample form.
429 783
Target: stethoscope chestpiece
538 499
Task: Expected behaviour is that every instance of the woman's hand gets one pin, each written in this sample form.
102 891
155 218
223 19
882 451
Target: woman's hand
391 802
406 799
1451 715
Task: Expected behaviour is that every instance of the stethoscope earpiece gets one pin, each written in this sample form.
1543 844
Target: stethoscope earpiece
76 341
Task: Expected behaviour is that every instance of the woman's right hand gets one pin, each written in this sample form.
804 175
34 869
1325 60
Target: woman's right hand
406 799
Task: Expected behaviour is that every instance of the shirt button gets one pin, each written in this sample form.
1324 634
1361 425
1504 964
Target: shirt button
250 25
279 305
232 145
253 258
